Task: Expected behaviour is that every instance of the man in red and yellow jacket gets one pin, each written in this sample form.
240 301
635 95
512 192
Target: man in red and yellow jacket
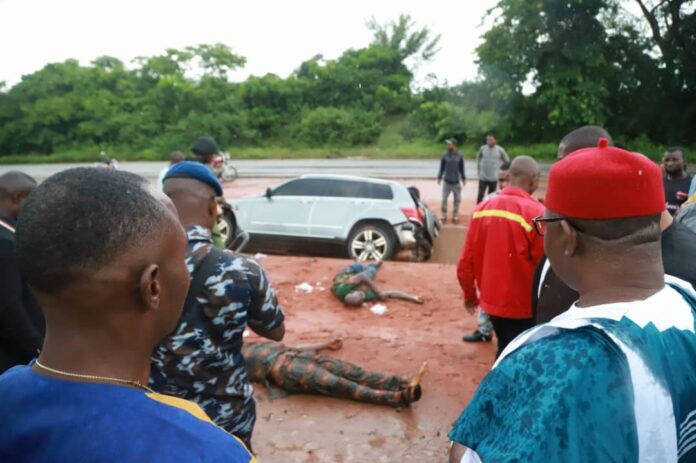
501 252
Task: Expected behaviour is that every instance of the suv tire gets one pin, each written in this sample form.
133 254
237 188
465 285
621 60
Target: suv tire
371 242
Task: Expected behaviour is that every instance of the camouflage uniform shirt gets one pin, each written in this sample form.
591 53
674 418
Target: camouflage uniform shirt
201 360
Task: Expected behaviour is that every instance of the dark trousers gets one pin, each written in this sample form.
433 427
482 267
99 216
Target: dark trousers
507 329
483 186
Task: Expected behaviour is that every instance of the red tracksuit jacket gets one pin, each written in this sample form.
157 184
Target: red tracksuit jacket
502 250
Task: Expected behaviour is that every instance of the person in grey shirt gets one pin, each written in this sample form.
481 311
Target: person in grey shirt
489 159
452 171
687 213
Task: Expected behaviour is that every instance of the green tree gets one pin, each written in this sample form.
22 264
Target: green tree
401 37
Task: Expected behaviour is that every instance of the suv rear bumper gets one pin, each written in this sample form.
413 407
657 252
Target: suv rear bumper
406 233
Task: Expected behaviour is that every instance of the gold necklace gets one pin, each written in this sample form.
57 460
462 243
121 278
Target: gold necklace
128 382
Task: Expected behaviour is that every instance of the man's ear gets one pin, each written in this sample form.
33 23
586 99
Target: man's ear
213 209
150 287
570 239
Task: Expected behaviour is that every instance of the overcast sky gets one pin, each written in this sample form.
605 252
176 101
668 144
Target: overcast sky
275 36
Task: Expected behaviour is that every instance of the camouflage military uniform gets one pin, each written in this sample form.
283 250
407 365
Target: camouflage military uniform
342 287
309 372
202 361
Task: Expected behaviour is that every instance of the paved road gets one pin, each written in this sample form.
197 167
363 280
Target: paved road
281 168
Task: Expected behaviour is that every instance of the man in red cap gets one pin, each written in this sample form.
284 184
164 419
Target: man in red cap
614 377
501 252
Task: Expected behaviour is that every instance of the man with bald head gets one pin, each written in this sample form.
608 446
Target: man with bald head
583 137
201 360
501 251
104 257
21 322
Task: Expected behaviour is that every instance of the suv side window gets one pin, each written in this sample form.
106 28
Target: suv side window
378 191
352 189
301 187
342 189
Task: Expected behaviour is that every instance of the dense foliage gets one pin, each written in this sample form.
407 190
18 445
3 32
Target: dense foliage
545 67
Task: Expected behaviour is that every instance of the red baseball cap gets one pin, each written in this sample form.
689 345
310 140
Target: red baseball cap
605 183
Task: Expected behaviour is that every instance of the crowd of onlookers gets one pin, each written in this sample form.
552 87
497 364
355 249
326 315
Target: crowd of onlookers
591 298
136 351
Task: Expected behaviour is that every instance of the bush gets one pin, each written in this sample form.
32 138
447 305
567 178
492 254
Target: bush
338 127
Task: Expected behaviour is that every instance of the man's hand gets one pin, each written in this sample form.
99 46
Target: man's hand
463 182
470 307
439 181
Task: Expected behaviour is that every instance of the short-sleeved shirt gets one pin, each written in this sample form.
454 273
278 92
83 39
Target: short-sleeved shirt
45 419
567 398
676 192
202 358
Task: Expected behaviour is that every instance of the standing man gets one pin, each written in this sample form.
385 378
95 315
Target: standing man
21 321
613 378
452 171
201 360
677 180
488 160
549 294
108 271
174 158
501 252
484 331
204 149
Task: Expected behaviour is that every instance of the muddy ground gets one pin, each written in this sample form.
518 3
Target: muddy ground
303 428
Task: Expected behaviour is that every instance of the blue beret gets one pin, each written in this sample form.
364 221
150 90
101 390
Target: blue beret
196 171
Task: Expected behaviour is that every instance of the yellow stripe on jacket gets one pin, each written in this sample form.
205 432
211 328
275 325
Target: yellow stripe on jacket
504 215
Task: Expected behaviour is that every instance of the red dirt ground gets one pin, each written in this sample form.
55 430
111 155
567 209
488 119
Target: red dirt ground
304 428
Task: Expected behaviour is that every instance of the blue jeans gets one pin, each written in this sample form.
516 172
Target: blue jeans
485 326
370 270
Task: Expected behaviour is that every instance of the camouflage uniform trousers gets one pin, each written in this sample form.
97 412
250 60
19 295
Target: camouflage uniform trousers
308 372
235 415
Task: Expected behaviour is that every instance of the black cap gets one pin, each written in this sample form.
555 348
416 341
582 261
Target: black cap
204 146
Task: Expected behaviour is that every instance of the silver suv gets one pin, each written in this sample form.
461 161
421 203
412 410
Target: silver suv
365 218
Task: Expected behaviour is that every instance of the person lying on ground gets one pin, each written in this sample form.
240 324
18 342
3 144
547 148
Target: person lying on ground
301 369
355 284
111 280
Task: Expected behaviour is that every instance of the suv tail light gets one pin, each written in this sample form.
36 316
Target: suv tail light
413 214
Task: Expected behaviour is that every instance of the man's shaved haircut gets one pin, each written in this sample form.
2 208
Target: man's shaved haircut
617 235
82 219
676 149
14 181
585 137
181 187
524 166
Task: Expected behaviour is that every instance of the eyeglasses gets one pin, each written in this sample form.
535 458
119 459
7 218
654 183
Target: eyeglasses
541 221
